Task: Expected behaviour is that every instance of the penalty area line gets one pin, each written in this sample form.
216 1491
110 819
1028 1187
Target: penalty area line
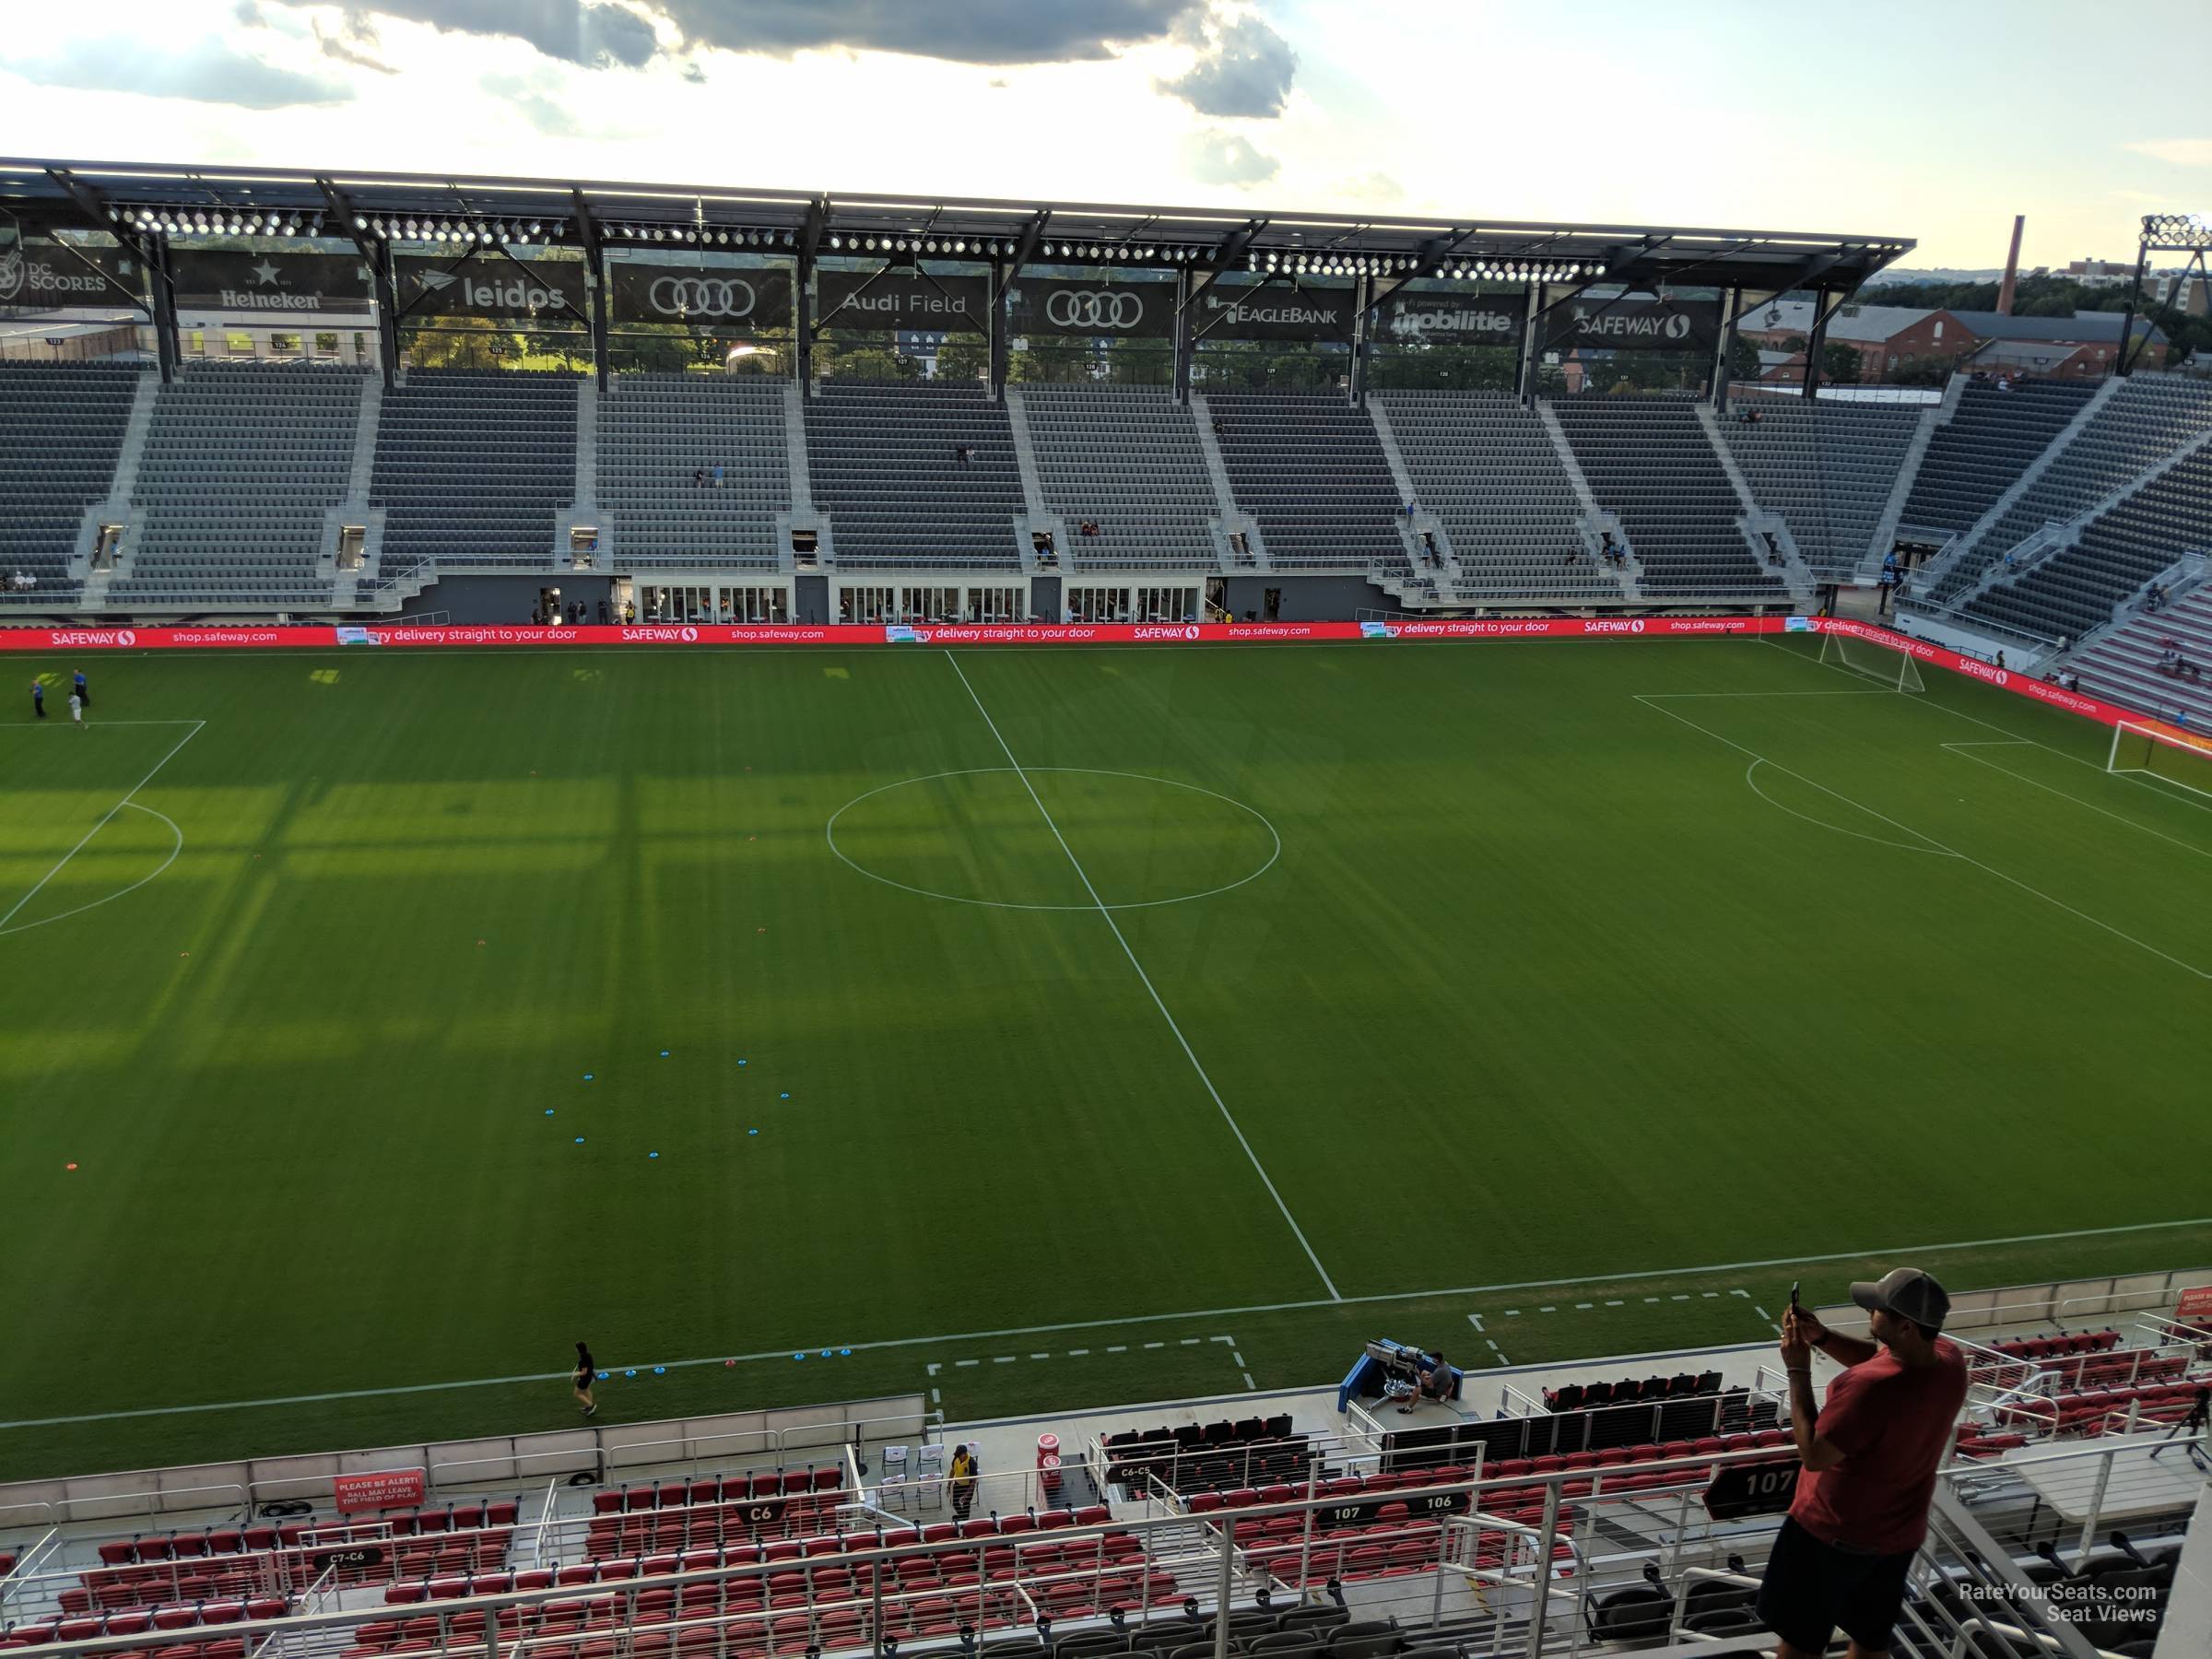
1871 1253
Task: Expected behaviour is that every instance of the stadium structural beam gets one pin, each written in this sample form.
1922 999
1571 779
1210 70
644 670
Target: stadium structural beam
1003 275
801 294
1825 306
595 254
1363 297
1180 336
152 251
1732 308
383 279
1539 309
2162 234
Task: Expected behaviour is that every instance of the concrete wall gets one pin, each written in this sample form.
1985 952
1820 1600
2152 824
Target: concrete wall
506 599
810 600
1307 598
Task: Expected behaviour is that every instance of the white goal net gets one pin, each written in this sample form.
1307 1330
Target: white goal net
2165 753
1891 668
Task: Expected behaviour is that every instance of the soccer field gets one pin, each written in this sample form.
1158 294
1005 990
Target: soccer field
381 1024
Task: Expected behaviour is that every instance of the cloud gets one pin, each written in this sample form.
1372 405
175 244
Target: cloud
206 71
1214 156
960 31
1376 187
2182 152
354 43
535 104
595 37
1243 68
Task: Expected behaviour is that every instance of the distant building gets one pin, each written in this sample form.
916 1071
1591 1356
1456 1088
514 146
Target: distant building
2100 273
1890 338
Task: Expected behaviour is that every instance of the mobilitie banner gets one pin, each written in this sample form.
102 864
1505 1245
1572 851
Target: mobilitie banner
43 275
1251 311
1058 305
490 285
1434 319
717 297
1635 323
278 283
900 297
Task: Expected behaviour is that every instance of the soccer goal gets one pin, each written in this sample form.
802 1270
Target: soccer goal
1894 669
2164 752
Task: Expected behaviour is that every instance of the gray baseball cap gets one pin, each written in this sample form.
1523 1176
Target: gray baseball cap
1907 1293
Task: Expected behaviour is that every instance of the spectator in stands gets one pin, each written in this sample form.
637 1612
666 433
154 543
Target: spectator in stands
964 1470
1435 1383
602 612
37 699
629 612
1869 1457
699 477
2158 597
718 476
587 1372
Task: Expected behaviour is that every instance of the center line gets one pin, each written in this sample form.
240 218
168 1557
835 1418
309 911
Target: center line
111 811
1297 1231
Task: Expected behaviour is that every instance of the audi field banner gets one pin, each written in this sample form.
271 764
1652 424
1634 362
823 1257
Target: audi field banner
42 275
488 285
901 299
1451 319
1054 305
278 283
1248 311
1634 324
705 296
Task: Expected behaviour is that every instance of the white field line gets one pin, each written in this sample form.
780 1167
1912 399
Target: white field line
176 847
2064 795
196 727
1328 1284
1643 1275
2096 922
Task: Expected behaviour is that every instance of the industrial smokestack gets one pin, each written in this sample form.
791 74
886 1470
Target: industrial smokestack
2012 267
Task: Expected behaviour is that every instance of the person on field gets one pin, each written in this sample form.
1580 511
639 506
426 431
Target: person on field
587 1372
37 699
84 691
76 708
964 1470
1869 1458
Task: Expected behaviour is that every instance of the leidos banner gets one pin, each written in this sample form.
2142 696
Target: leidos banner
1093 310
1253 311
40 276
1634 324
901 299
707 296
491 286
270 282
1451 319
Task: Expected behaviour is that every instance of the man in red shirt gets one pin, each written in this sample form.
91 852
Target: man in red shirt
1870 1457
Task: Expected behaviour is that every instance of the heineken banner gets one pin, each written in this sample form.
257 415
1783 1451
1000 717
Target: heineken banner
1439 319
488 285
1637 323
269 282
40 276
722 297
901 299
1272 312
1047 305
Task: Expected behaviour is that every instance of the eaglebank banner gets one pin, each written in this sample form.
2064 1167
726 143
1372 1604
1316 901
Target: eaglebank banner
278 283
1634 324
1451 319
490 285
1048 305
1249 311
404 635
722 297
42 275
900 297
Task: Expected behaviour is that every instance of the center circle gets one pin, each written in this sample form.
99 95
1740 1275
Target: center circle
982 836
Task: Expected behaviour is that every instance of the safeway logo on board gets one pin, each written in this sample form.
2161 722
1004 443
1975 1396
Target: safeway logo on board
85 636
1974 668
1182 630
1612 625
126 637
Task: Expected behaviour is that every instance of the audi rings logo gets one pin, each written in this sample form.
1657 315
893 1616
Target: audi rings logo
1097 309
690 636
726 297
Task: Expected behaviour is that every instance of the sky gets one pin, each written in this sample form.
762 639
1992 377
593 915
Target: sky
1936 121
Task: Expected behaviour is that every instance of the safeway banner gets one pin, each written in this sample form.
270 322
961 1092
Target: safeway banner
1251 311
1441 319
739 300
490 285
378 1488
283 284
1100 310
902 298
1634 324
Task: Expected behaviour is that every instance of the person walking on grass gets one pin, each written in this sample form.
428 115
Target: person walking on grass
1869 1458
84 689
76 709
37 699
587 1372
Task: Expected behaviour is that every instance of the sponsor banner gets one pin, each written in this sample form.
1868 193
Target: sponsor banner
1571 628
1451 319
1247 311
490 284
2195 1304
1968 667
1634 324
900 297
719 297
378 1488
42 275
282 284
1116 311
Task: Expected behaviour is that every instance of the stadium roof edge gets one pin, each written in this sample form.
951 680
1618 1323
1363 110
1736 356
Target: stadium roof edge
50 192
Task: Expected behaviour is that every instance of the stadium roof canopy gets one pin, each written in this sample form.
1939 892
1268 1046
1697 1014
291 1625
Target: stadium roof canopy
50 194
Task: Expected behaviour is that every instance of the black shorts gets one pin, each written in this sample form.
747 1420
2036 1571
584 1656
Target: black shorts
1812 1589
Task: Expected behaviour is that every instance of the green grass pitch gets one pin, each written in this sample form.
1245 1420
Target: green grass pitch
333 1074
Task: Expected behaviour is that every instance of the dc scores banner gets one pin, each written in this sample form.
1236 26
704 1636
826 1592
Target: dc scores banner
43 276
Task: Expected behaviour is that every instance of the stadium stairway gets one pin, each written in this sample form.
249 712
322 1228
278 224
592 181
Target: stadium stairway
62 430
885 466
472 469
2124 664
656 434
1828 468
1312 471
1128 460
